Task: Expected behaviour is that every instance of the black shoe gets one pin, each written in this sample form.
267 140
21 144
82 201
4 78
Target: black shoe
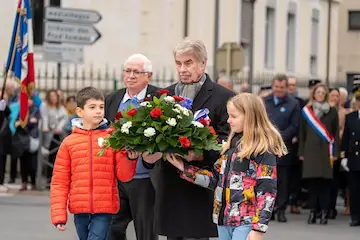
281 217
332 214
354 223
272 216
324 218
312 217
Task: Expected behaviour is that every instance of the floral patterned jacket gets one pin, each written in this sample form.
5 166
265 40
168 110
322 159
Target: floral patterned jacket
245 189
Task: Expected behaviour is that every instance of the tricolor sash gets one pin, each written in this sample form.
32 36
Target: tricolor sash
320 129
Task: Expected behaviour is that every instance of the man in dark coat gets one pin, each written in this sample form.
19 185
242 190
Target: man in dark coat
296 165
137 196
184 210
350 152
283 111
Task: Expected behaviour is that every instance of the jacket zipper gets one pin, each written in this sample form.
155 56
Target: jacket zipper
91 176
223 204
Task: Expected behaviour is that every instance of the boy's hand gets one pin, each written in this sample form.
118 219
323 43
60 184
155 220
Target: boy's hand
133 155
152 158
60 227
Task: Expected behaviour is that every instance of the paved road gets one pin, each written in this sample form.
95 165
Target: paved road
26 216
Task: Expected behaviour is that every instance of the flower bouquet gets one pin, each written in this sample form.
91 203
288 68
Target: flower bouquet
165 124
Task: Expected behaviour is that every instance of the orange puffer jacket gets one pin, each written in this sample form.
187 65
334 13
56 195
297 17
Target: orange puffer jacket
84 179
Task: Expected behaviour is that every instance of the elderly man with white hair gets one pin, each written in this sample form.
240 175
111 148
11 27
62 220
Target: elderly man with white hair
136 196
183 210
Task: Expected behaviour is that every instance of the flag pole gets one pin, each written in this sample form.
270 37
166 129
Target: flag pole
6 73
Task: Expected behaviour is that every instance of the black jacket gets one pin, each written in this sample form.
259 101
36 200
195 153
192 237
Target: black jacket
5 133
350 144
183 209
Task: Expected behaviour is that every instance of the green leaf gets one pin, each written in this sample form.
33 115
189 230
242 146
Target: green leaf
138 140
159 138
156 100
198 152
163 145
165 128
173 141
140 131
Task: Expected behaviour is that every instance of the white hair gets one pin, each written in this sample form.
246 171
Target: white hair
143 58
344 91
195 47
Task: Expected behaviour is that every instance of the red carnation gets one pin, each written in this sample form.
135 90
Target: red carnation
204 122
156 112
212 130
146 99
118 116
163 91
132 112
178 98
185 142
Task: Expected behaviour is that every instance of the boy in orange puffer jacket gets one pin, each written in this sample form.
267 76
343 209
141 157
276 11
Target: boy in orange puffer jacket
85 180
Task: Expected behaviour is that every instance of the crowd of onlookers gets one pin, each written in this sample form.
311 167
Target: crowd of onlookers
305 179
48 119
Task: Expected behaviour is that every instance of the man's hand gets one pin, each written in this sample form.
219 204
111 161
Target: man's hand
301 158
152 158
191 156
294 140
344 164
175 161
60 227
254 235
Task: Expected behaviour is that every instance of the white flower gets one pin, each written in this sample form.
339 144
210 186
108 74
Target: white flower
197 124
149 105
171 121
179 117
149 132
186 112
125 127
144 104
101 141
169 99
176 110
178 106
125 130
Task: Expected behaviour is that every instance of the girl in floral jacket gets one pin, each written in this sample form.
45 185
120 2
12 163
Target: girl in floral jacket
244 177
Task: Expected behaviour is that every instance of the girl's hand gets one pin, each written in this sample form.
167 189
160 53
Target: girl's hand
60 227
133 155
254 235
176 162
152 158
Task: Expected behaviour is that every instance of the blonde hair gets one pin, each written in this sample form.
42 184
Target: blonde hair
259 135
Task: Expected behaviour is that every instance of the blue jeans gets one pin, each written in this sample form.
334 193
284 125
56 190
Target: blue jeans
234 233
92 226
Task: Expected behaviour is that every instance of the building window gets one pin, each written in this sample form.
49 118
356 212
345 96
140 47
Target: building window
290 42
354 20
270 38
314 42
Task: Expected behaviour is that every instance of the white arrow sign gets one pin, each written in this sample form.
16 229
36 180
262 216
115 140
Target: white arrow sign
70 33
72 15
63 53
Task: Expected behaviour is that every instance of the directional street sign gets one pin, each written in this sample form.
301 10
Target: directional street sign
72 15
63 53
70 33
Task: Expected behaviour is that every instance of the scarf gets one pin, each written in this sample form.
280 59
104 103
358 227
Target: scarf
320 108
189 90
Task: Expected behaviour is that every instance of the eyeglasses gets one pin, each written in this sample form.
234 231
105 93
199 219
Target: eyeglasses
135 72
